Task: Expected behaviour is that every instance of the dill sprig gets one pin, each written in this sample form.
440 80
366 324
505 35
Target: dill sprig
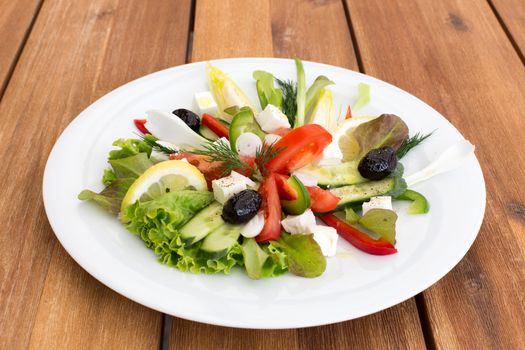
220 151
289 105
151 141
265 154
411 142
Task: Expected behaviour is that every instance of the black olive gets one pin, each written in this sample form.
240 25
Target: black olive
191 119
378 163
242 206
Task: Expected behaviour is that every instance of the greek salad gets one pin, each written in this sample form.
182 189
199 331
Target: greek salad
269 188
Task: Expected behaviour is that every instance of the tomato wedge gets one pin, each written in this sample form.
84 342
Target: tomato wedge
359 239
348 113
285 190
215 125
272 210
300 147
322 200
140 125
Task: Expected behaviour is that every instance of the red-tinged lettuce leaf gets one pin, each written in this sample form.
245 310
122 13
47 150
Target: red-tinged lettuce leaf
303 255
111 197
386 130
382 222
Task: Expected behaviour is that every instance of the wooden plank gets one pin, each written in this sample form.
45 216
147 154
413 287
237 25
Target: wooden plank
76 52
329 40
455 56
512 14
16 18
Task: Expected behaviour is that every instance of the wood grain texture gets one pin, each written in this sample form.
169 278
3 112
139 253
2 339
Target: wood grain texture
512 13
76 52
312 30
293 35
16 18
455 56
231 28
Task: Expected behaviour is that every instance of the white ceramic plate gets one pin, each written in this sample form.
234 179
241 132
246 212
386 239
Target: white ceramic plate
354 284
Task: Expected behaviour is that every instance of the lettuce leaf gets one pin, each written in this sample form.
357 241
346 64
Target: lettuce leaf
363 96
132 166
129 147
386 130
303 255
275 265
111 197
157 222
108 177
268 93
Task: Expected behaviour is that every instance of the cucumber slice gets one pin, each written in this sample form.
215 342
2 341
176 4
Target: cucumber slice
419 202
202 224
207 133
363 191
218 243
244 121
299 205
336 175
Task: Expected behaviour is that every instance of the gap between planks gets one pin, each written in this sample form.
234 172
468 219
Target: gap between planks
167 320
3 86
507 31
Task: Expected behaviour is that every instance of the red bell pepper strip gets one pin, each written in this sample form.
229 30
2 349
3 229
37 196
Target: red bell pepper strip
139 124
272 210
357 238
348 113
286 191
215 125
322 200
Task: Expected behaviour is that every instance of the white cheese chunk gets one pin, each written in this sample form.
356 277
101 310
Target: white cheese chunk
247 144
380 202
241 177
224 188
270 139
303 223
203 102
254 226
271 119
326 237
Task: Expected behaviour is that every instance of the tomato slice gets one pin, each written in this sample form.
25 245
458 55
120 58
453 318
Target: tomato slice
140 125
285 190
272 210
300 147
348 113
215 125
322 200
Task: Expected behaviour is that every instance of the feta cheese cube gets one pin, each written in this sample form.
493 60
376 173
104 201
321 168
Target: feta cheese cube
326 237
203 102
380 202
224 188
271 119
303 223
241 177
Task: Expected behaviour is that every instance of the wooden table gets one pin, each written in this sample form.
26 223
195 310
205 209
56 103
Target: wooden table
463 57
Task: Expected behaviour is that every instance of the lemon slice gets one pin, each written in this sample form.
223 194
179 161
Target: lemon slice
163 177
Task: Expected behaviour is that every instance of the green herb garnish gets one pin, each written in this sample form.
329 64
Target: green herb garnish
289 105
411 142
151 141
